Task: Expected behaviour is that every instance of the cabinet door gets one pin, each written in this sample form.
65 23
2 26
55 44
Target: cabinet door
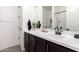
26 41
41 45
32 44
52 47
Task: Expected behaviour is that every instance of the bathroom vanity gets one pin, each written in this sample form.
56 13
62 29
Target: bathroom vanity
51 17
37 41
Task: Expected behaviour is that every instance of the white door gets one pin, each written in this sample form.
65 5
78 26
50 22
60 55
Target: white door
9 31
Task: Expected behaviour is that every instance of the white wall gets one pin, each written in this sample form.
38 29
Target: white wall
28 13
8 26
73 18
38 13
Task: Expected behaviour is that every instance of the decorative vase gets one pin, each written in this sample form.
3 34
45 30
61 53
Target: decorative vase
29 25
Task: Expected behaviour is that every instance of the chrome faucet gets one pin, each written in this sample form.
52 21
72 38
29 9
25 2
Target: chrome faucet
58 30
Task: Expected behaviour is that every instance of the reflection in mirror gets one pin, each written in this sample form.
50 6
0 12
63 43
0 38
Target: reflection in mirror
67 17
52 16
72 21
60 16
47 16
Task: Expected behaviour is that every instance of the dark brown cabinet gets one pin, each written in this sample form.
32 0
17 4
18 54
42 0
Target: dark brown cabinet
26 41
32 43
53 47
29 43
35 44
41 45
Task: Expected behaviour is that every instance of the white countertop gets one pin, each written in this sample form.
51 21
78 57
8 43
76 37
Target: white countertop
66 39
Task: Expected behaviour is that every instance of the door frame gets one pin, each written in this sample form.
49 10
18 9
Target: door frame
20 27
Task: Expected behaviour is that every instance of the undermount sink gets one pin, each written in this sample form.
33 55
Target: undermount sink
62 36
51 33
57 36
